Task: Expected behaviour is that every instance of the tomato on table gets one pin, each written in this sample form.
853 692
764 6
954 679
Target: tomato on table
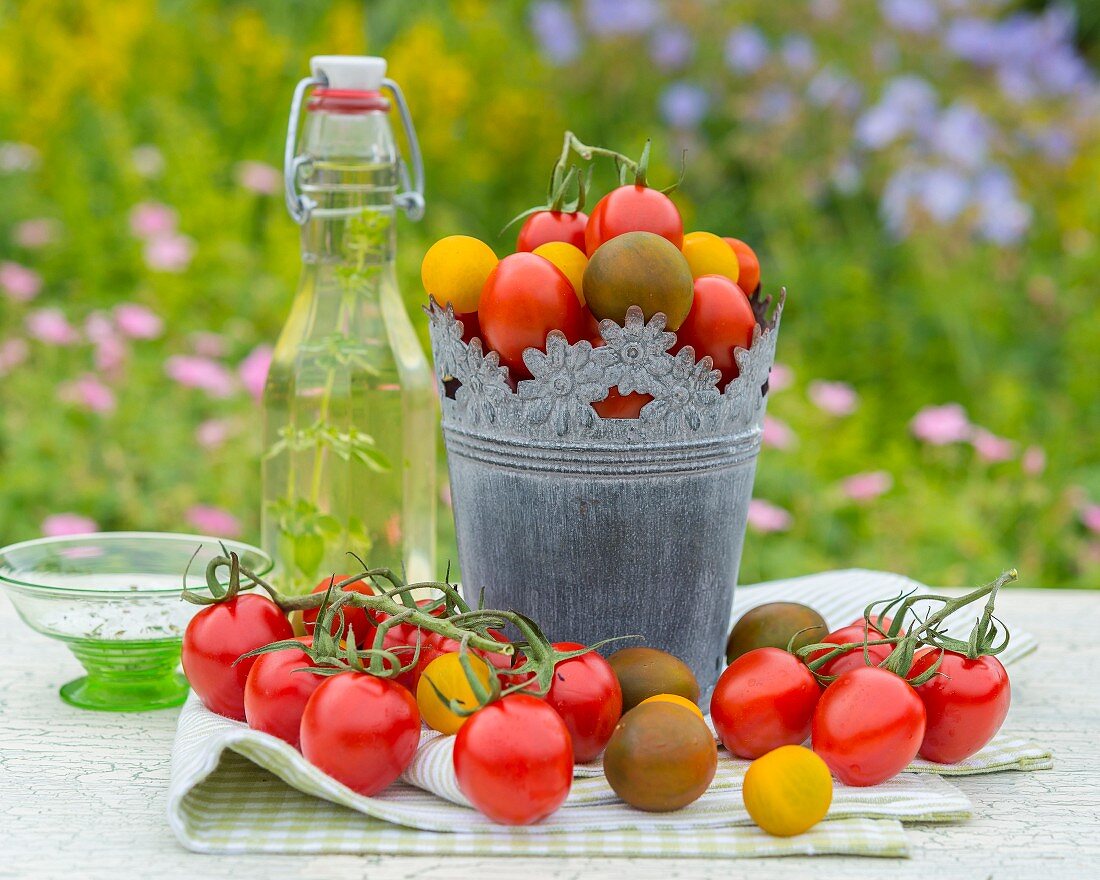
586 694
633 208
720 319
787 791
966 703
449 679
514 760
763 700
526 297
361 620
853 659
868 726
217 636
361 730
277 690
547 226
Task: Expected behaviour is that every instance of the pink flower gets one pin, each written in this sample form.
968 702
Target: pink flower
941 425
214 521
208 344
1034 461
835 398
777 433
253 370
866 486
1090 516
767 517
990 447
138 322
152 219
12 353
60 524
212 433
98 326
781 377
261 178
198 372
110 354
18 282
36 233
52 327
88 392
170 252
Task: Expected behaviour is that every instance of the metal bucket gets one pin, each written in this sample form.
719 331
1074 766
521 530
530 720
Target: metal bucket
599 528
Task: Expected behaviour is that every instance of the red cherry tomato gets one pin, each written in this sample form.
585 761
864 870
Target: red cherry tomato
720 318
276 692
514 760
525 297
360 620
621 406
471 329
748 277
361 730
546 226
854 659
217 636
966 704
765 699
868 726
588 697
633 208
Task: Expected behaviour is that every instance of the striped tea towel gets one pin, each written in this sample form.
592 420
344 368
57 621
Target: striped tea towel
235 790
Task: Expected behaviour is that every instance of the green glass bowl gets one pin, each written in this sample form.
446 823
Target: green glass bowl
114 599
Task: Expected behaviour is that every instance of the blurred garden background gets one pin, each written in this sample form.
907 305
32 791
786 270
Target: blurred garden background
920 174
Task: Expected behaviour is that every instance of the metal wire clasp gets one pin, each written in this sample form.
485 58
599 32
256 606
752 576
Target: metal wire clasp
299 206
411 199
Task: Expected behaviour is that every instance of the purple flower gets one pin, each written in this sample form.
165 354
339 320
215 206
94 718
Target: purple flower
36 233
18 282
834 398
147 159
917 16
555 30
1034 461
962 134
212 433
259 177
138 321
52 327
824 10
798 53
1002 218
941 425
152 219
671 48
767 517
88 392
867 486
831 88
608 18
746 50
1056 144
903 186
213 521
780 378
907 104
169 253
684 105
59 525
12 353
203 373
944 193
777 433
990 447
253 370
774 105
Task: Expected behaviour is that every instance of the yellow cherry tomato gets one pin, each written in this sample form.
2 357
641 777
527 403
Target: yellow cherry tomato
571 260
707 254
787 791
454 271
676 700
449 676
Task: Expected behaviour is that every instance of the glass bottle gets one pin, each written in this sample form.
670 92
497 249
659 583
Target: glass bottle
349 408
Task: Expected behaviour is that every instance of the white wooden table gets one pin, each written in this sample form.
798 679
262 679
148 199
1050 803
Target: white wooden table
82 794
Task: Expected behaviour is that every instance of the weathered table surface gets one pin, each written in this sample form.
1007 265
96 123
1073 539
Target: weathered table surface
82 794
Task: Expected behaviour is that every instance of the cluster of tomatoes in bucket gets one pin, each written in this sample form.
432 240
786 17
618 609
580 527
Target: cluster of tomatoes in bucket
572 269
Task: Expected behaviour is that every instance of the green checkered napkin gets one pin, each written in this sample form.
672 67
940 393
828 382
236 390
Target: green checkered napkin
235 790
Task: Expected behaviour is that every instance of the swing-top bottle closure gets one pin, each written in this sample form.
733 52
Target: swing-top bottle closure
350 84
